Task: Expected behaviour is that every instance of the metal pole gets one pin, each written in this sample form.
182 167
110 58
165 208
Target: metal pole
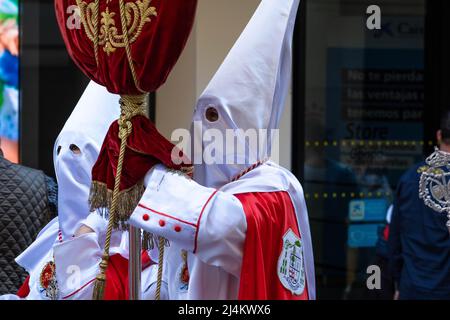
134 264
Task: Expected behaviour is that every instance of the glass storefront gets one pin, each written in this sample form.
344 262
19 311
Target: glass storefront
363 109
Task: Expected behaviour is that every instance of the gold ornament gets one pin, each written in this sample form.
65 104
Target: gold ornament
137 14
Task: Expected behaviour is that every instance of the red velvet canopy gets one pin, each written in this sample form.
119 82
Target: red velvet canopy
130 47
157 33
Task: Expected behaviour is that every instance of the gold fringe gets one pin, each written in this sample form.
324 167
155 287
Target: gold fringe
189 171
148 241
99 287
127 201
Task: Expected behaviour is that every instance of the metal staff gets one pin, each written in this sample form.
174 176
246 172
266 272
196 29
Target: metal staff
134 264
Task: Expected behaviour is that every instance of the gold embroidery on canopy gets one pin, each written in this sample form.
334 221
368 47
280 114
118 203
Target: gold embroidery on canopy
133 17
137 14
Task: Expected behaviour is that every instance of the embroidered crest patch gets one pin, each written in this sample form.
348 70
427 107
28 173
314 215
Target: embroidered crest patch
291 270
47 282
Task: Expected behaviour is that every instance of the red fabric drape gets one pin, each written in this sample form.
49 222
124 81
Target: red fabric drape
117 275
269 217
153 54
145 148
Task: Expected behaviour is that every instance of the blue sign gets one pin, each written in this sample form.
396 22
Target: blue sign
368 210
363 235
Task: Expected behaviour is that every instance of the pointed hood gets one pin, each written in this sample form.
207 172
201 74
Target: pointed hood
85 129
247 92
76 150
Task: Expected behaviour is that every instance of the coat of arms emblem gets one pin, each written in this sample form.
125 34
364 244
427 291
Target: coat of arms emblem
48 283
291 271
434 185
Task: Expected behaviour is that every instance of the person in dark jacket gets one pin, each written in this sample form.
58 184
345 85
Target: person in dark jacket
419 241
28 200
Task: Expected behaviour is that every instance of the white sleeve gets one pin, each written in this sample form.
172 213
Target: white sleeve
201 220
77 264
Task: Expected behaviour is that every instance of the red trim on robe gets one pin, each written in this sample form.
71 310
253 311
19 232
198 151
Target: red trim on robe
75 292
167 215
24 290
200 218
269 216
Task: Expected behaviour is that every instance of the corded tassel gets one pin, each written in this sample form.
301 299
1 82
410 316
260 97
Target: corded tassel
128 110
100 280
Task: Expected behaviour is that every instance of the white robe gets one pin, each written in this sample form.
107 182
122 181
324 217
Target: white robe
77 261
211 225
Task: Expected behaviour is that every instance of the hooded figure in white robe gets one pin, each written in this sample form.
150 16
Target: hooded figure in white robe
240 229
60 264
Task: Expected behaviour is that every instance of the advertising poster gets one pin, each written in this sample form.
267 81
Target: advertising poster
375 107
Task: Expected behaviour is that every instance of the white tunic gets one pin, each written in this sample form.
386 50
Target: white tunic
77 261
211 224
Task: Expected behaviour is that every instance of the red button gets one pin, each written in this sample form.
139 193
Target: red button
162 223
145 217
177 228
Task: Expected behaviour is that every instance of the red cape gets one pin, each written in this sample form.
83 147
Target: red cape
269 217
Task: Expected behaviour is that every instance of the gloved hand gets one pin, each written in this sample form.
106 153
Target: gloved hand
93 223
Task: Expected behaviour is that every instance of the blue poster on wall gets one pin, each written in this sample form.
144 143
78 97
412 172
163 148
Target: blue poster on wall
375 105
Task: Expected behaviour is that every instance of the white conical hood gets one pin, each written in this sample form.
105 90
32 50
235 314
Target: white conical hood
86 129
248 91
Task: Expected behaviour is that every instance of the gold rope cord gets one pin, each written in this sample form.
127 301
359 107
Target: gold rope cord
133 17
127 44
130 107
89 19
160 267
136 83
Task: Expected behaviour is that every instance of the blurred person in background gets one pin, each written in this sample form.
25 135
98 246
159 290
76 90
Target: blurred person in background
419 241
28 200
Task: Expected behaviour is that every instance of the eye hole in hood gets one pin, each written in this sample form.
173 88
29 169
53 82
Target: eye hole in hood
211 114
75 149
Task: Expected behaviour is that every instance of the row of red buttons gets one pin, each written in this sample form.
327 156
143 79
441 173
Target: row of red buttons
162 223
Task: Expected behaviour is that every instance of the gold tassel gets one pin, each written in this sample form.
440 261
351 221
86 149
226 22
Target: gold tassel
100 280
130 107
